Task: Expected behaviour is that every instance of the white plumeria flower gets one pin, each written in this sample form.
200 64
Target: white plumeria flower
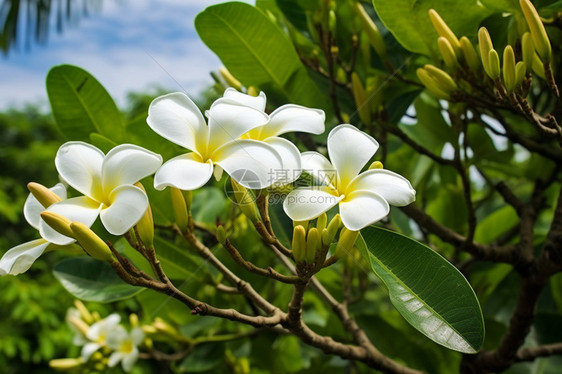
125 347
20 258
107 184
286 118
363 198
99 333
176 118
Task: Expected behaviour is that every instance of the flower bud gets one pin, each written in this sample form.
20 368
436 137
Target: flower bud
163 326
180 209
360 97
334 226
431 85
84 312
252 91
538 67
45 196
470 55
65 363
327 239
145 226
444 31
92 244
528 50
58 223
301 223
299 243
134 320
229 78
321 222
494 64
448 53
509 69
376 165
221 234
443 80
372 31
345 243
245 201
520 70
313 242
79 324
486 45
538 32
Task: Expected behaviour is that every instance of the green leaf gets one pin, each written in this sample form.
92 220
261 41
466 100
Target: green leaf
81 105
409 22
429 292
92 280
257 52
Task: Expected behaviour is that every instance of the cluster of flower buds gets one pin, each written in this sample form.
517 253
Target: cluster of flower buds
460 60
105 341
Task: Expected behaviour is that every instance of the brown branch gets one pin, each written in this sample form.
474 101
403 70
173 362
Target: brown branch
530 354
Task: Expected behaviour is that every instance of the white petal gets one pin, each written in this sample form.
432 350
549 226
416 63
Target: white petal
20 258
394 188
349 150
128 204
80 209
176 118
88 350
290 117
362 208
32 208
228 120
291 158
137 335
79 164
129 360
127 164
185 172
319 168
114 358
256 102
304 204
251 163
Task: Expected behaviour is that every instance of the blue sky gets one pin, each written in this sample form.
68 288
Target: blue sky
130 45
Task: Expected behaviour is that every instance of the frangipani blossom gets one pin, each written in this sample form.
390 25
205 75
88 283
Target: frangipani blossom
216 145
20 258
363 198
125 347
99 333
107 184
287 118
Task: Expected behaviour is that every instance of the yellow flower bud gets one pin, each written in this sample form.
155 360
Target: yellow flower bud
431 85
148 329
84 312
376 165
444 31
65 363
180 209
326 238
528 50
538 32
470 55
92 244
494 64
321 222
538 67
45 196
509 69
443 80
79 324
299 243
145 226
301 223
363 107
229 78
334 226
221 234
486 45
345 243
245 201
252 91
448 53
372 31
134 320
313 242
520 70
58 223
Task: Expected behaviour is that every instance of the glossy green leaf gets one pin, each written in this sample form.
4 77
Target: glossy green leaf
92 280
429 292
257 52
81 105
495 224
409 22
